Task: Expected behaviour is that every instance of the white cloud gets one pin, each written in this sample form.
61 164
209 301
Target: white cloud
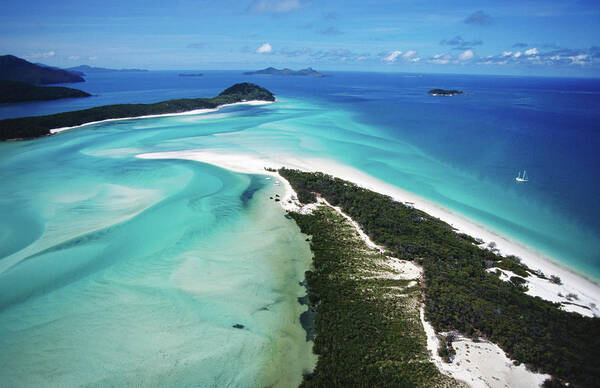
532 51
441 59
466 55
264 49
579 59
276 6
409 54
507 53
92 58
391 57
47 54
517 54
73 58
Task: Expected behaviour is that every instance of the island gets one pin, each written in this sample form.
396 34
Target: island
191 74
17 69
445 92
366 301
308 72
14 91
37 126
86 69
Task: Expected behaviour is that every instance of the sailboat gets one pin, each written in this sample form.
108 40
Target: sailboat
523 178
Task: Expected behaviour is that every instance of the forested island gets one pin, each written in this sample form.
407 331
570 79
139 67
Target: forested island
86 69
445 92
14 91
36 126
16 69
359 336
308 72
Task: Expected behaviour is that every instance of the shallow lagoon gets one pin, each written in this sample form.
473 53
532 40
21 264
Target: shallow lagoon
131 271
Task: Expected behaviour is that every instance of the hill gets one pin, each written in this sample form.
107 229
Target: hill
86 69
310 72
36 126
16 69
14 91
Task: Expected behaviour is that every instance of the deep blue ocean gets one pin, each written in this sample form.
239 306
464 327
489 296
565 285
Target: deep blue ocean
116 270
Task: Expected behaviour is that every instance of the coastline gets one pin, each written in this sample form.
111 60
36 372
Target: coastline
476 363
588 292
186 113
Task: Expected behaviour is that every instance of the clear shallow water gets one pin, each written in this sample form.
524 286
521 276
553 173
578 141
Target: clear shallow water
146 264
122 271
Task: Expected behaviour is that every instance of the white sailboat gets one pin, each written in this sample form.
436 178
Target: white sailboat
523 178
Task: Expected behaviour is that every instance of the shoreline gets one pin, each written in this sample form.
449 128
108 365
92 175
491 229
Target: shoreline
587 291
476 363
55 131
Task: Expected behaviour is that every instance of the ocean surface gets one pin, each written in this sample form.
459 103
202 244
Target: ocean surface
114 268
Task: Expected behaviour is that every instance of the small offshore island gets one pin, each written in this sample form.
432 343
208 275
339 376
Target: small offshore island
445 92
37 126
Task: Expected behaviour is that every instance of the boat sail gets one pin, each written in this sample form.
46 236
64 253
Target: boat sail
523 178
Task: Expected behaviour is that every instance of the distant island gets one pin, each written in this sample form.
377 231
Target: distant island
191 74
15 91
445 92
17 69
37 126
86 69
310 72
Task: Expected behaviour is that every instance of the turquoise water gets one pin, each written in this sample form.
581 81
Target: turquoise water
119 270
122 271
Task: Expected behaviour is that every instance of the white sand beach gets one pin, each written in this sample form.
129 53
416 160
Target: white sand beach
588 292
187 113
479 364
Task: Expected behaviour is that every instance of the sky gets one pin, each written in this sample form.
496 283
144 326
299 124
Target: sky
524 37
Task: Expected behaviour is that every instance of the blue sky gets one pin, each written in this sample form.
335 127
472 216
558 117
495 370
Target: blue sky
534 37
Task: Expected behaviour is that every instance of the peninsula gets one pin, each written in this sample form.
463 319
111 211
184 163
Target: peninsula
37 126
466 294
14 91
445 92
17 69
308 72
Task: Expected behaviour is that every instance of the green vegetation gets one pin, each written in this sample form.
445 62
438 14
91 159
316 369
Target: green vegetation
444 92
17 69
31 127
369 333
14 91
459 293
